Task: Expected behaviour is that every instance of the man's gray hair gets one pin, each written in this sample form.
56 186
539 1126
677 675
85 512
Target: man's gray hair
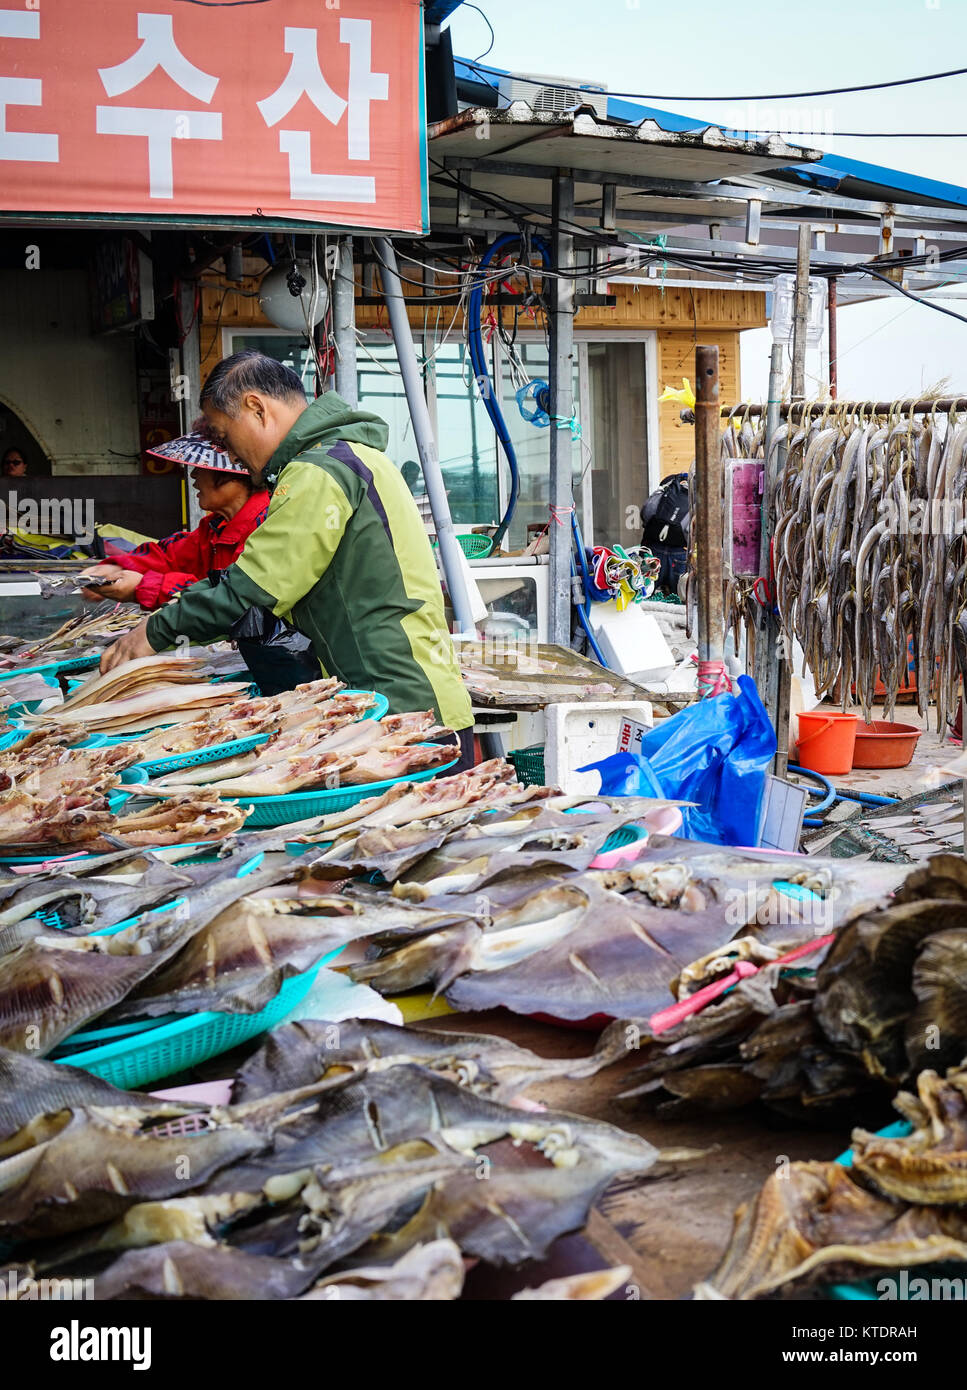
250 370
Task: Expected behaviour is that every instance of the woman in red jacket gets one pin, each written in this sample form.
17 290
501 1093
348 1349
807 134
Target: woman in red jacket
158 571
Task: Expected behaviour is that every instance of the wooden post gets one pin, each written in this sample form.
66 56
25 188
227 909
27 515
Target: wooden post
708 507
797 392
833 345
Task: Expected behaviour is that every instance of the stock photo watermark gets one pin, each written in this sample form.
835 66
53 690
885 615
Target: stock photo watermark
50 516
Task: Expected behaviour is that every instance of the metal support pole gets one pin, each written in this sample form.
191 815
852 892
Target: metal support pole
560 369
708 506
450 552
191 370
344 323
766 668
833 345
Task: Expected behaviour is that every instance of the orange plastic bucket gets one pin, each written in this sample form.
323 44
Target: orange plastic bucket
826 741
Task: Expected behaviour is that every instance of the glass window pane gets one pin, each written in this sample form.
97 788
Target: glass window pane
466 439
619 471
532 444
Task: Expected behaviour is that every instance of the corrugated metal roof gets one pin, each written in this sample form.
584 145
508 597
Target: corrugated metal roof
579 140
850 177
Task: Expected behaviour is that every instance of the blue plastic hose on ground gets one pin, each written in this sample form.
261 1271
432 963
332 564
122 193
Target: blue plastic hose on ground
481 372
834 794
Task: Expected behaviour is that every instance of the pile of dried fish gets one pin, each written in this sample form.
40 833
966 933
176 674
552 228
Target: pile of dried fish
86 631
51 793
869 549
139 693
55 795
899 1207
326 746
537 929
348 1164
885 999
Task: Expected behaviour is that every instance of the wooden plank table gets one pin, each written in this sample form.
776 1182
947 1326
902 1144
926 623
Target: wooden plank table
672 1227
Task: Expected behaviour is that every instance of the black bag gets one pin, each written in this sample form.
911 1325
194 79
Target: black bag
277 654
666 515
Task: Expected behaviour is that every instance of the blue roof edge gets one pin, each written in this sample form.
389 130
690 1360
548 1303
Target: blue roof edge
436 11
827 172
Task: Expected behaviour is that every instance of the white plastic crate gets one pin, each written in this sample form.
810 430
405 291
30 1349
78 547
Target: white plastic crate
585 733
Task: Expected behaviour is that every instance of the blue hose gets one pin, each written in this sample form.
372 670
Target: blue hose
835 794
827 786
586 585
482 374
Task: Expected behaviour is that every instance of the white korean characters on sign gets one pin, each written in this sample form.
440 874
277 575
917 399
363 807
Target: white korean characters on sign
194 109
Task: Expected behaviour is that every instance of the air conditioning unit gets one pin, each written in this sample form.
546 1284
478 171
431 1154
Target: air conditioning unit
543 93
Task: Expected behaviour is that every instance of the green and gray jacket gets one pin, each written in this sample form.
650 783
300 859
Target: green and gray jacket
342 555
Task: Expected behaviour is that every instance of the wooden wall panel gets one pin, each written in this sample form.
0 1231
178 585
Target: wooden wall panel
676 359
727 311
717 316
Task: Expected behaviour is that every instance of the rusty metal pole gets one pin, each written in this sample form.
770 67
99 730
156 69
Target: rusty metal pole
833 346
708 508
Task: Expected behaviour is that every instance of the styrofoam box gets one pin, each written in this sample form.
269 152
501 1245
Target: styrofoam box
631 640
585 733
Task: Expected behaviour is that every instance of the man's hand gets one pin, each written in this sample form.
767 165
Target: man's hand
116 582
127 648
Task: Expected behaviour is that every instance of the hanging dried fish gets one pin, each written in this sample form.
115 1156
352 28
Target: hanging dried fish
869 550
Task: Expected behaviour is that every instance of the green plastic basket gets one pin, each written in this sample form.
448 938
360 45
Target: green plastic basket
473 546
163 1047
528 763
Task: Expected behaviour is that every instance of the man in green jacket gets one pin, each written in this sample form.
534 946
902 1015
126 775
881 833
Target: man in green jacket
342 553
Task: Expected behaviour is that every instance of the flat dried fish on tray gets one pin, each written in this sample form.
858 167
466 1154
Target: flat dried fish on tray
356 1174
152 689
334 748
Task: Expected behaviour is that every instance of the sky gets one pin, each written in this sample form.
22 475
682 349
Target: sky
887 348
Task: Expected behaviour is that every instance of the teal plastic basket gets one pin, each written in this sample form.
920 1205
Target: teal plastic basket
159 767
268 811
77 663
163 1047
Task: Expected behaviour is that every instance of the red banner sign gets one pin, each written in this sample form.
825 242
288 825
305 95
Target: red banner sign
306 109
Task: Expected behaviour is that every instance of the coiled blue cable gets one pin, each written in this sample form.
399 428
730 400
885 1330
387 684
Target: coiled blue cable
480 370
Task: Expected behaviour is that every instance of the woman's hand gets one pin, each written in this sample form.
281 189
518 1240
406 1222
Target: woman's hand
115 582
132 645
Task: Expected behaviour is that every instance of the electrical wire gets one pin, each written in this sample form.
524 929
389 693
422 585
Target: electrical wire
486 21
917 299
768 96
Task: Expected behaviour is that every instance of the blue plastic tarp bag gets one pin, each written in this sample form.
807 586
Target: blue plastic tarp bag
715 753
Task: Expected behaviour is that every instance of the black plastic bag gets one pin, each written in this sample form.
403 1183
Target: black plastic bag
277 654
